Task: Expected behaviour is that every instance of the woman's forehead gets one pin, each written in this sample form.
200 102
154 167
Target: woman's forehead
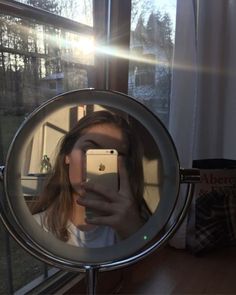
108 129
104 136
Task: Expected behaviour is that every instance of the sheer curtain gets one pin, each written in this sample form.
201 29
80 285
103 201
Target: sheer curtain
203 102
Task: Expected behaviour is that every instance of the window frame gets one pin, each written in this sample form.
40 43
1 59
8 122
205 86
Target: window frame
112 28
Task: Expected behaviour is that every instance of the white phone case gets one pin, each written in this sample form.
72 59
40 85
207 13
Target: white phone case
101 168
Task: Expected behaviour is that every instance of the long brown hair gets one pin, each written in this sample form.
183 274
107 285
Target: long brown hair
57 198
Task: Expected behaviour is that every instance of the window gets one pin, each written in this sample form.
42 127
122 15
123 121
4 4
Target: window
47 48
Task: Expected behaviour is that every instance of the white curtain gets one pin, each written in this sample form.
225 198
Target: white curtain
203 101
183 98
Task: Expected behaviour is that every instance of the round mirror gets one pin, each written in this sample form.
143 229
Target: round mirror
91 179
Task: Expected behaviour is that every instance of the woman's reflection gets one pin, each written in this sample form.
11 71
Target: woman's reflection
61 208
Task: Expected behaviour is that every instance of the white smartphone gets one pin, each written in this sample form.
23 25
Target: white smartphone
101 168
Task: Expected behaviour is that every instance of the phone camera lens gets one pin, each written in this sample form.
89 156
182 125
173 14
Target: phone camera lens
112 152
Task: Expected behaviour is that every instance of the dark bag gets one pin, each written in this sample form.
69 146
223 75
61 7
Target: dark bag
212 218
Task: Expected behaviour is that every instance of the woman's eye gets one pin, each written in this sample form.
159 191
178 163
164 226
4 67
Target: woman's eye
86 147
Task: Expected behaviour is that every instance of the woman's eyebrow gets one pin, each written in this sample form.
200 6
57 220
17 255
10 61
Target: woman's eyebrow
96 144
121 152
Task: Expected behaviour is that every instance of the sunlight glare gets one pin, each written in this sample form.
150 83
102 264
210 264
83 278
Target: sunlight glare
86 45
126 54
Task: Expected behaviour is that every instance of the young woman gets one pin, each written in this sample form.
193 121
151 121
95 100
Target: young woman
61 209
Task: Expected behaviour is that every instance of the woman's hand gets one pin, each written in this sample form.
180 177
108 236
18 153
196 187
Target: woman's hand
118 210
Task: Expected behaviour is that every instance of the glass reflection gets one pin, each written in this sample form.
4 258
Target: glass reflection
89 213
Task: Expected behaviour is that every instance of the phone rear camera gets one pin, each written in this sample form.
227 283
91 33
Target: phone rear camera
112 152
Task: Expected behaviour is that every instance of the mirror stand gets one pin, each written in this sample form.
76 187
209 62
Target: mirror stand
91 276
188 176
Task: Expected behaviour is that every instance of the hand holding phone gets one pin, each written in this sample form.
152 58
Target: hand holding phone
116 209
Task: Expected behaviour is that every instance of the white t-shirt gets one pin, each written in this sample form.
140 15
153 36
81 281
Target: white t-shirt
100 236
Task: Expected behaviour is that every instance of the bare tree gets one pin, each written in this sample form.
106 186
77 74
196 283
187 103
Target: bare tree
140 9
75 10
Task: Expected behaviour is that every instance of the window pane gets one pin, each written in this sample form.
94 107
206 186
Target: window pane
151 46
77 10
37 62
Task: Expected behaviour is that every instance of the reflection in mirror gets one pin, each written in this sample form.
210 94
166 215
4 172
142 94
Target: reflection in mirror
72 205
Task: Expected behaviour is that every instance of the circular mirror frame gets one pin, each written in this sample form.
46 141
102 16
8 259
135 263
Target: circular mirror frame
43 245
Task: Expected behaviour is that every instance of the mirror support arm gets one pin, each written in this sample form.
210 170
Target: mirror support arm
189 175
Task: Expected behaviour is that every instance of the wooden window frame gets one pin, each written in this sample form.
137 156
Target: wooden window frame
112 28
